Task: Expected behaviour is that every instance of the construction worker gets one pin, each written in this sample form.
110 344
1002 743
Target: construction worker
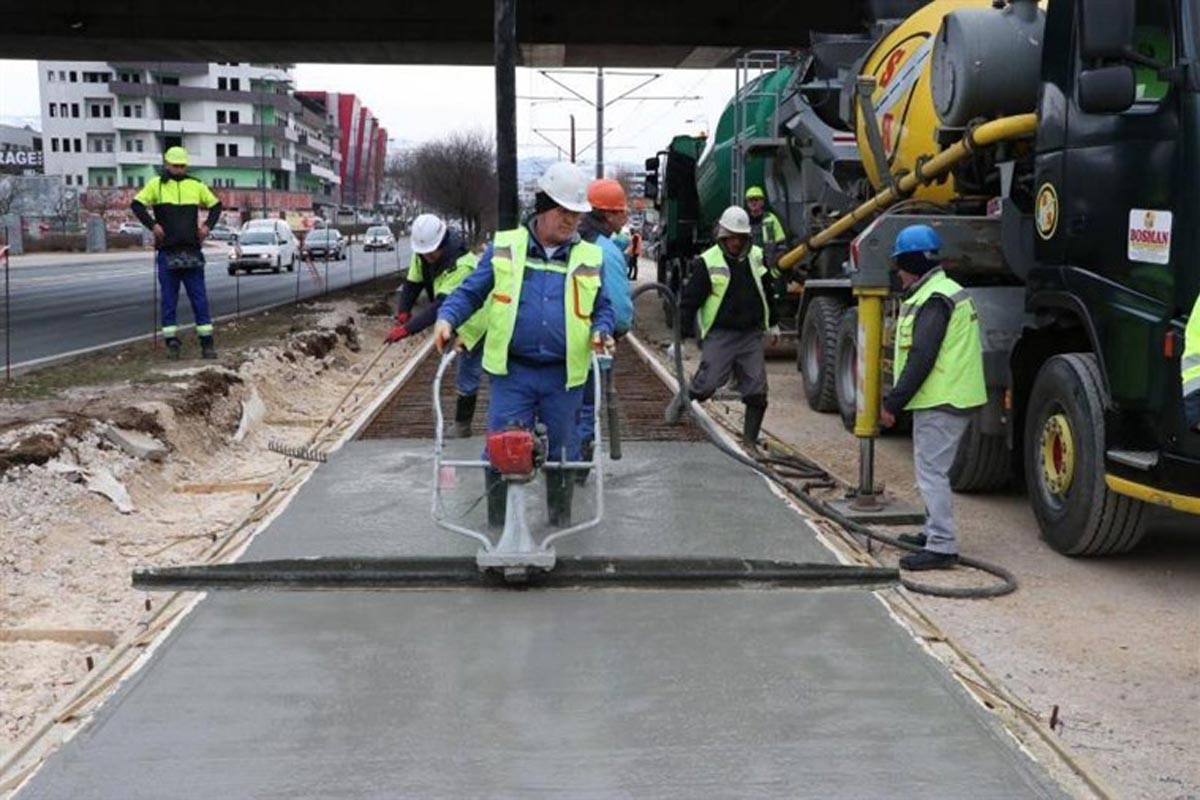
1190 370
176 197
440 261
767 231
938 362
609 213
732 290
635 253
546 313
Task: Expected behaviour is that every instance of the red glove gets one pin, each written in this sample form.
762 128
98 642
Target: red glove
403 317
397 333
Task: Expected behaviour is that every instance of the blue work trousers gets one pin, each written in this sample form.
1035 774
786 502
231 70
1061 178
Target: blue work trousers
468 370
532 393
193 283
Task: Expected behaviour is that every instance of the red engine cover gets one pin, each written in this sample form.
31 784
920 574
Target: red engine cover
511 452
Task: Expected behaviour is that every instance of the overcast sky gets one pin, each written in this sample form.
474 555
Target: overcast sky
417 104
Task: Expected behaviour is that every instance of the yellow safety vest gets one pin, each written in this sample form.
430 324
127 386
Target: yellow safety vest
1190 363
509 254
957 376
718 276
473 330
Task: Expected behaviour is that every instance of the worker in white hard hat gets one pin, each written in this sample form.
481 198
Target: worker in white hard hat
546 313
731 290
440 261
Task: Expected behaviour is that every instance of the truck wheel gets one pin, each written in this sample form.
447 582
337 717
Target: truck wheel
815 355
981 463
845 367
1064 462
232 270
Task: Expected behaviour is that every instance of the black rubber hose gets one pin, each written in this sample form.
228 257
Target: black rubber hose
1008 581
612 414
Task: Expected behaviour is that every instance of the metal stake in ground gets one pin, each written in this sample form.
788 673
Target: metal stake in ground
154 304
237 302
7 315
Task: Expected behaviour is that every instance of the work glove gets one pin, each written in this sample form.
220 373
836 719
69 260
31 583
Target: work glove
397 333
602 344
443 332
773 335
402 317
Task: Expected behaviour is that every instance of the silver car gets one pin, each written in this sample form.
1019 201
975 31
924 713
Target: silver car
378 237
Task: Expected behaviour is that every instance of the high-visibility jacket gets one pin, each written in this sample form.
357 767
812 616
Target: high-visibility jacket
1190 363
718 276
510 252
471 331
176 202
957 375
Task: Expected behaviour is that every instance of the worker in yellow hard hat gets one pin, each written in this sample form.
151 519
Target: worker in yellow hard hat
767 231
175 198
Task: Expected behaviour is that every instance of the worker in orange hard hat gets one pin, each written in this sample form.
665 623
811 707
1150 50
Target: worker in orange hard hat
608 215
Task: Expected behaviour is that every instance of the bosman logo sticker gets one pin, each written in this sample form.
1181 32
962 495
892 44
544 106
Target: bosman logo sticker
1046 213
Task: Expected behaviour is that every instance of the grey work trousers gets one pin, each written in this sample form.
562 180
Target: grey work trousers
740 353
936 435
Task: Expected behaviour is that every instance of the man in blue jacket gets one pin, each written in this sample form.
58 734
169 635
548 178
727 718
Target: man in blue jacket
546 313
608 215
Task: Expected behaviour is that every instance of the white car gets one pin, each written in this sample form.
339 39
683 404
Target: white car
264 244
378 237
131 229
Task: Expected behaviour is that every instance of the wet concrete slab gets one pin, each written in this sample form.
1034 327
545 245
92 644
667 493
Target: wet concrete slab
598 693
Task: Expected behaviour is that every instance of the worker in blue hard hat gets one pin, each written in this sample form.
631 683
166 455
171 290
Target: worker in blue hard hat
938 364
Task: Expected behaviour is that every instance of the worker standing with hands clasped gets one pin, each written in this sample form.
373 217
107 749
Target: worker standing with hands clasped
938 362
1190 370
440 262
175 198
546 313
732 290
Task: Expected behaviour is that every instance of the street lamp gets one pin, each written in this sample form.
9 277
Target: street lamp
262 134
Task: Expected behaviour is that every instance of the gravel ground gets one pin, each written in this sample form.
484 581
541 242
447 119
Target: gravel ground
1113 642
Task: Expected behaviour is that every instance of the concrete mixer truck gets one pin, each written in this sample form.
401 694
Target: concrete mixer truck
1054 147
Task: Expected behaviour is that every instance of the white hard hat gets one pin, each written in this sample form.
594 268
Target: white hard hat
427 233
566 185
735 220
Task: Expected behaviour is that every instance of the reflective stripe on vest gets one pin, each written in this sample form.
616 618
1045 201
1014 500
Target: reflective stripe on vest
718 276
415 273
957 375
509 256
471 331
1190 363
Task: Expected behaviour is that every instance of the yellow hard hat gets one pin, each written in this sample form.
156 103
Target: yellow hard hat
176 155
755 191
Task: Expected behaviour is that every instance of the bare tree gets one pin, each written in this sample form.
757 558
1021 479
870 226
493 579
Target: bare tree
455 177
64 207
100 200
10 193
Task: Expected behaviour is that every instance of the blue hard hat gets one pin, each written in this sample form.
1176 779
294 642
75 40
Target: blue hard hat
917 239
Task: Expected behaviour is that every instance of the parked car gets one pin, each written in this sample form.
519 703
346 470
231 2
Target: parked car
321 243
131 229
378 237
263 247
222 233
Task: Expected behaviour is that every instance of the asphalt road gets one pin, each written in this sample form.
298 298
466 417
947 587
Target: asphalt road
72 304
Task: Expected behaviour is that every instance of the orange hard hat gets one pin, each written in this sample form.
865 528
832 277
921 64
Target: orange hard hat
606 194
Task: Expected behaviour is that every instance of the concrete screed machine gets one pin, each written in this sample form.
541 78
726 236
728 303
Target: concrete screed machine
1053 146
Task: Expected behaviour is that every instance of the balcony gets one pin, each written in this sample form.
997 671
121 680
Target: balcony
154 125
255 162
155 91
179 68
273 132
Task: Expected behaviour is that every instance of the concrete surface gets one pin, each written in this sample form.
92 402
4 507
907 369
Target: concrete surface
519 694
76 301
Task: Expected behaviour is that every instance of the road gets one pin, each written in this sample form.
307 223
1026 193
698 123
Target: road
76 303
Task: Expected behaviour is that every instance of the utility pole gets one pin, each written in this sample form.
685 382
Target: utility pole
504 46
262 144
599 122
572 138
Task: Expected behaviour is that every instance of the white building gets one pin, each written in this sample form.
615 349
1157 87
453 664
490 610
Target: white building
107 124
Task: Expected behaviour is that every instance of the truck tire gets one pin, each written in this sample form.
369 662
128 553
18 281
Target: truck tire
982 463
816 351
845 367
1064 463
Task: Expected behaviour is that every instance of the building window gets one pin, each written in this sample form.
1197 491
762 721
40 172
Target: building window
126 110
79 180
137 111
53 144
220 117
235 84
62 110
128 145
172 141
170 110
73 79
233 151
220 150
75 108
62 74
235 117
108 145
67 180
140 145
50 75
53 110
222 83
94 110
168 80
107 112
78 145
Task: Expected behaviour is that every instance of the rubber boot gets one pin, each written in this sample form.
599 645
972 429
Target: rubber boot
464 412
207 348
174 349
560 487
496 489
756 409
